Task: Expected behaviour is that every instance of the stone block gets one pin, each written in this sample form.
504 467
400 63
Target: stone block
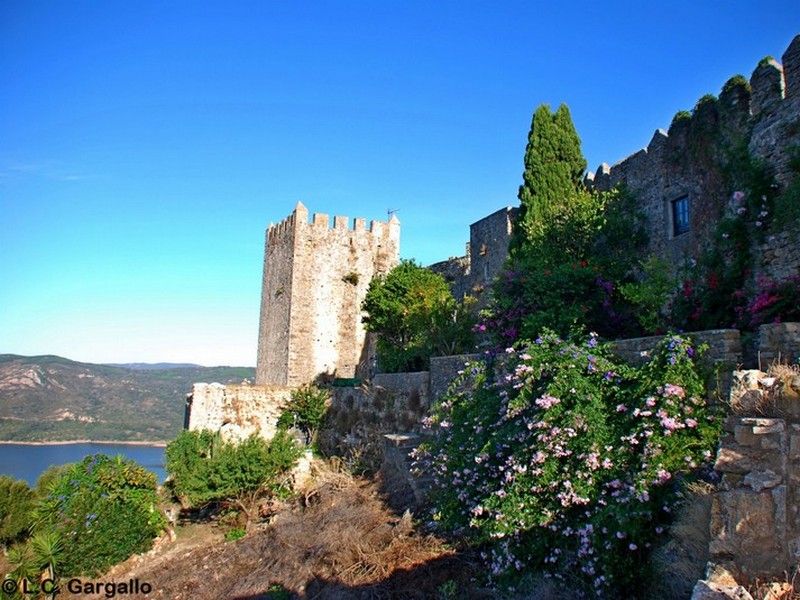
744 435
764 425
708 590
762 480
794 447
743 530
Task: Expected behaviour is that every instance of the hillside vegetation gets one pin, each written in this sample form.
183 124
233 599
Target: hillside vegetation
49 398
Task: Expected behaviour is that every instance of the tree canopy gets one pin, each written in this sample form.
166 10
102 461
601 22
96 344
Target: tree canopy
554 167
415 316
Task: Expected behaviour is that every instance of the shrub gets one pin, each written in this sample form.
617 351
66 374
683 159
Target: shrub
559 460
415 315
776 301
203 468
103 510
305 410
16 502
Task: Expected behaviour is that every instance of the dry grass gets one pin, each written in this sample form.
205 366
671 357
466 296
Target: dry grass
336 540
680 562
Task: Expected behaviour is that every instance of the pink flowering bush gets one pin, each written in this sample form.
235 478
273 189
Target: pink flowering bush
776 301
559 460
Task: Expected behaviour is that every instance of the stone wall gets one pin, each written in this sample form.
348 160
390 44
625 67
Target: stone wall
359 417
315 279
690 160
444 369
755 520
487 250
235 410
778 342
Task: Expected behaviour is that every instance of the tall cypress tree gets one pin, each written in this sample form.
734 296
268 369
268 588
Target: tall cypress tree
554 166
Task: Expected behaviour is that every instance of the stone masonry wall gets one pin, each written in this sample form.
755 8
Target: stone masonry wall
689 160
236 410
778 342
359 417
315 279
486 252
755 517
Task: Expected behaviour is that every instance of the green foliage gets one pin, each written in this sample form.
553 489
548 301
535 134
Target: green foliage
571 248
36 564
305 410
554 458
570 275
735 82
16 503
203 468
704 101
651 293
352 278
103 510
554 166
681 115
234 534
415 316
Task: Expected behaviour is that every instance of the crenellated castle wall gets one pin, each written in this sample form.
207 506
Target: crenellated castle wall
315 279
690 159
487 250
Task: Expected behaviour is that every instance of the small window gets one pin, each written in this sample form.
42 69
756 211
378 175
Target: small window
680 216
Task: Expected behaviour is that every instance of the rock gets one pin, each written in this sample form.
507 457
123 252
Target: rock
778 591
762 480
708 590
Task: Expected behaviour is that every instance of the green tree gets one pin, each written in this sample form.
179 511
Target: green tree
103 509
204 468
554 167
305 410
415 316
16 503
571 247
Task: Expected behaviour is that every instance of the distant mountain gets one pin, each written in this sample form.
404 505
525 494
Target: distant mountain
153 366
50 398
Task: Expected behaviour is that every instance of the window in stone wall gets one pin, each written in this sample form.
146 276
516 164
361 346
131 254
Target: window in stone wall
680 216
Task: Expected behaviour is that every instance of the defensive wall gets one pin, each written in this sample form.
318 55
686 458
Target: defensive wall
315 279
472 274
691 161
687 166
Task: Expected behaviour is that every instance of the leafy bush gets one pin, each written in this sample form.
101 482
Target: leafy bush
651 294
415 316
570 275
305 410
16 503
103 510
203 468
776 301
557 459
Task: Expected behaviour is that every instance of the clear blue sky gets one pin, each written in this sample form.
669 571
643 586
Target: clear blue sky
145 146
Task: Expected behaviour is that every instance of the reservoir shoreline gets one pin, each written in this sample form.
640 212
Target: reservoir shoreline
157 443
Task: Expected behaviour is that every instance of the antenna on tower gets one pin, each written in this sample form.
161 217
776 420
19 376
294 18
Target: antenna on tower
390 212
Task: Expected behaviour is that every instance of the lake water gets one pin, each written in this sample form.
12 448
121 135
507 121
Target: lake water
27 462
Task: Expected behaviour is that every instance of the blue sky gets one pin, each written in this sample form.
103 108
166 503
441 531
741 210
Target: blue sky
145 146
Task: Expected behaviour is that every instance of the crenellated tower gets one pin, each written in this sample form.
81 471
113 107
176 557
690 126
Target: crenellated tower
315 279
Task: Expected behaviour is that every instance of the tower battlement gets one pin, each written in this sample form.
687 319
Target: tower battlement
315 279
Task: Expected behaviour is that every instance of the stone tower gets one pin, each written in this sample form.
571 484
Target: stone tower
315 279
